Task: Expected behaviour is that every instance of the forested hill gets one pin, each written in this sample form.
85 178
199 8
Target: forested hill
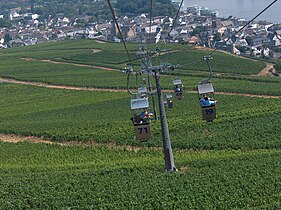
97 8
135 7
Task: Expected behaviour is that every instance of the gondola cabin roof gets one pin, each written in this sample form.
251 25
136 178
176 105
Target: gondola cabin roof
142 89
205 87
169 96
139 103
177 82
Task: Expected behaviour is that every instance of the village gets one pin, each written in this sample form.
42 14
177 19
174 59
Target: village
196 25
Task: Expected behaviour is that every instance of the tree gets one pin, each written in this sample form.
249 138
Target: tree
124 35
198 30
241 49
7 38
217 37
5 23
137 7
249 40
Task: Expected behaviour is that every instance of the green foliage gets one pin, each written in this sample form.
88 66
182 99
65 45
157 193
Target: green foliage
64 115
189 58
227 69
5 23
47 176
137 7
249 40
61 74
217 37
99 10
198 30
68 8
114 55
276 49
232 163
7 38
277 65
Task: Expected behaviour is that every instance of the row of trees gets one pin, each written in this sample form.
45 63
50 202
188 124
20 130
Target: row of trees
4 23
136 7
97 9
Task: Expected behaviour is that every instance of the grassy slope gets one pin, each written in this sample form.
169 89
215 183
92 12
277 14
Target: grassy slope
81 52
47 176
113 54
86 115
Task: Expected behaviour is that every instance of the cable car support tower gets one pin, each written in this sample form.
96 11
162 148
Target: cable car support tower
154 71
167 147
150 70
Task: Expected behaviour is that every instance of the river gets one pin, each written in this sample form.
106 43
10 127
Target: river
246 9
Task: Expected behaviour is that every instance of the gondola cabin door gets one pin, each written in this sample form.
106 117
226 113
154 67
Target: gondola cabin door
142 131
208 113
141 118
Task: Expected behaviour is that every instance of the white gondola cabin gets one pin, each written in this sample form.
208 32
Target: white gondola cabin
169 99
178 88
141 118
206 100
142 92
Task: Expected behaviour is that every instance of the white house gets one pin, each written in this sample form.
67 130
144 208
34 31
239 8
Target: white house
34 16
241 42
14 15
266 52
66 20
222 30
151 29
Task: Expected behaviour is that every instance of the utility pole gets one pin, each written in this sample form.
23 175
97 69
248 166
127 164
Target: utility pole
167 147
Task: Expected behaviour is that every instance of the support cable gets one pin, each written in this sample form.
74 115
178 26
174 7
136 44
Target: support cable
248 23
150 23
119 30
124 44
174 22
207 59
176 17
128 83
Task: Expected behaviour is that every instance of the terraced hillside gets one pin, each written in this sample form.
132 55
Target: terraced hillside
93 177
71 95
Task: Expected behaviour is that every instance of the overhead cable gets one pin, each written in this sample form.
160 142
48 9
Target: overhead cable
248 23
119 30
150 23
174 21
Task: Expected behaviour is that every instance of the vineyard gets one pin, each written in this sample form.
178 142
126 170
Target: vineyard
37 176
228 164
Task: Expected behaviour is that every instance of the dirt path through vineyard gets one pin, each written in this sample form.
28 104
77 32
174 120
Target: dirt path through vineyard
11 138
268 70
16 138
73 64
41 84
